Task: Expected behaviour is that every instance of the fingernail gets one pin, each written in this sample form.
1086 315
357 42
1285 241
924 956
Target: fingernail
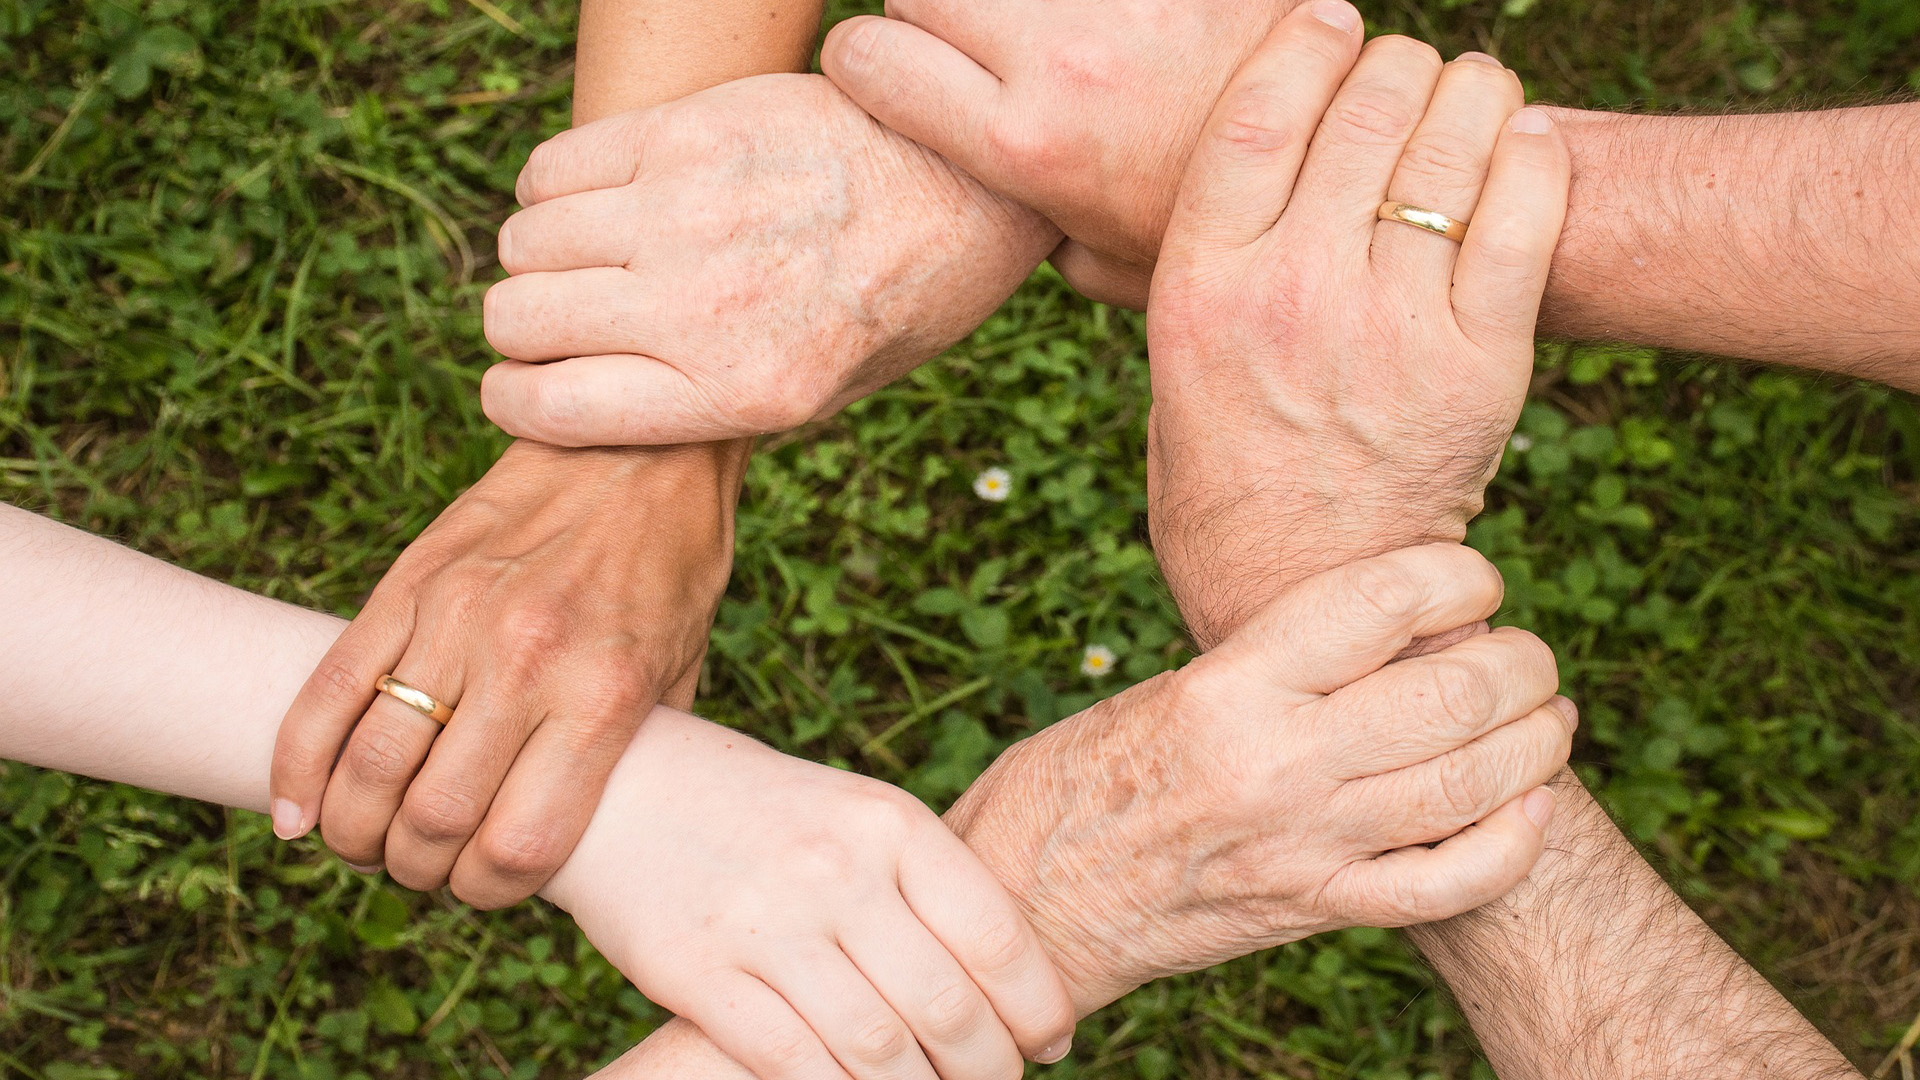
1567 709
374 869
1531 122
1055 1052
1479 58
1538 806
289 821
1338 14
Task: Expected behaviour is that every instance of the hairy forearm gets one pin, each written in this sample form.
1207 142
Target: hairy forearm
1777 237
1593 969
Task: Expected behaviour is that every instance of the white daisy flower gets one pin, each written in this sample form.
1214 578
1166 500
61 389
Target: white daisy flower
1097 661
993 485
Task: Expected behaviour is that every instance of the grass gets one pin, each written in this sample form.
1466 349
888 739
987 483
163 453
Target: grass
241 253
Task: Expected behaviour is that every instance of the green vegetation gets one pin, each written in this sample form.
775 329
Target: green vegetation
242 247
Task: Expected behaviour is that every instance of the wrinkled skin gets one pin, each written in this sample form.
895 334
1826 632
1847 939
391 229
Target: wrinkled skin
552 605
1373 370
1084 110
738 262
1283 785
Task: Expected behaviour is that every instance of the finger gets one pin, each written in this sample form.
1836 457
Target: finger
1418 709
543 807
1476 866
1360 141
863 1033
387 748
1445 166
585 312
624 400
1502 270
758 1028
450 796
953 1021
1101 279
927 90
969 912
606 153
1339 626
571 232
1440 797
325 711
1243 169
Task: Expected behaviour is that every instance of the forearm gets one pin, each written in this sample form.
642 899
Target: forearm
633 54
637 53
1777 238
180 689
1593 969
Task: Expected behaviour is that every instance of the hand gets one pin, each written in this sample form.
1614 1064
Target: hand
1285 784
1328 386
1084 110
737 262
804 916
552 605
1252 799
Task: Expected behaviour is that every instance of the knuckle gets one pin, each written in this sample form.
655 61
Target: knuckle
1505 252
442 815
1024 149
788 1050
340 685
1405 899
380 757
1083 64
531 629
1256 122
521 851
864 43
823 858
1000 945
1383 590
1460 692
1442 157
879 1041
554 404
1530 653
1460 789
1373 117
784 403
953 1013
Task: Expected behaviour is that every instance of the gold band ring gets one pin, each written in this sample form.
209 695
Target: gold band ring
1421 218
416 699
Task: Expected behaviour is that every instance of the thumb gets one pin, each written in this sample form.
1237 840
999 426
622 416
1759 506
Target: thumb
928 91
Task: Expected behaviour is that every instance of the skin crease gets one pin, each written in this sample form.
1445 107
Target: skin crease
1286 750
869 977
1661 209
1592 968
533 818
843 258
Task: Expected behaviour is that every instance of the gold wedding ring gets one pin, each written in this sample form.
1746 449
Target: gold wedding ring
1421 218
415 698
